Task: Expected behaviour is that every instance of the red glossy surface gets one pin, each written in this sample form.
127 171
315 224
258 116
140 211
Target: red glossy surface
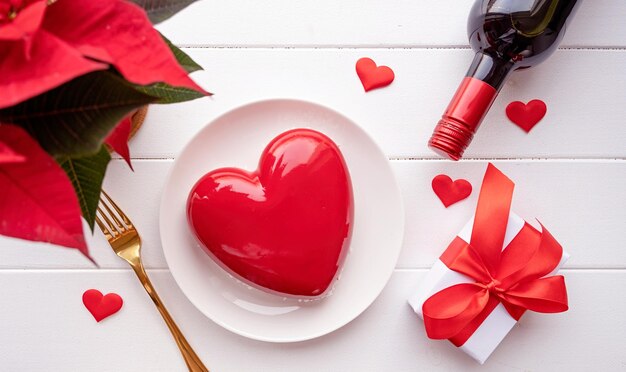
471 102
284 227
462 118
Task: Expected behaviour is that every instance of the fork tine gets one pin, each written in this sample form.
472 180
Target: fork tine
119 211
111 226
103 228
120 226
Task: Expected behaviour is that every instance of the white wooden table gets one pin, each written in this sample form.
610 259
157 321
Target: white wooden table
570 171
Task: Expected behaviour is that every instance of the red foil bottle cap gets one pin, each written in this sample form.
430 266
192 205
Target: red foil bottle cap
464 114
450 138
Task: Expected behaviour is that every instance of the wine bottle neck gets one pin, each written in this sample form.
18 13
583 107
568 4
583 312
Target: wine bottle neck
491 70
469 105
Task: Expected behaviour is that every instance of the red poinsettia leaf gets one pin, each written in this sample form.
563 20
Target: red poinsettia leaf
25 23
51 63
37 200
118 139
7 155
118 32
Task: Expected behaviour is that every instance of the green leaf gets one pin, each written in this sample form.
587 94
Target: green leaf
75 118
183 59
86 174
160 10
168 94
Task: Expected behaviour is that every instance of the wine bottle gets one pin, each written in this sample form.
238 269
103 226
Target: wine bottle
506 35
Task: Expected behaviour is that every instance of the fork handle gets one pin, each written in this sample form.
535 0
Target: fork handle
194 364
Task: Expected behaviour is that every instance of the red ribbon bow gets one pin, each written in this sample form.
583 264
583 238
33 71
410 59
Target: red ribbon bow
514 276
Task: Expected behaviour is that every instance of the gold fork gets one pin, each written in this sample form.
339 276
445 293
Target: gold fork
125 241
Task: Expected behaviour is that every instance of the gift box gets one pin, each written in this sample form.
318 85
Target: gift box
498 267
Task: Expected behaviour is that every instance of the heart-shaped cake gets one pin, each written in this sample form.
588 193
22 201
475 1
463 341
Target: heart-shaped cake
284 227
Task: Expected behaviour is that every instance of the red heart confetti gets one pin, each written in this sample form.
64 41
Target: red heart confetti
373 76
526 116
451 192
102 306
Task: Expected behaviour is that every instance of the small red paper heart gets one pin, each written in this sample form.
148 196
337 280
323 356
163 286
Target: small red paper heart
451 192
373 76
101 306
285 226
526 116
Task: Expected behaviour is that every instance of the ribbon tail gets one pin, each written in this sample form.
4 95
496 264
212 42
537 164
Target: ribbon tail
450 310
545 295
491 218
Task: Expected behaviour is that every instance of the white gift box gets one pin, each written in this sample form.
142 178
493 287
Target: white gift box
498 323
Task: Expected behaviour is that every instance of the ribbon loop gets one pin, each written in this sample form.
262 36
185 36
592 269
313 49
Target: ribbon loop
514 276
546 255
450 318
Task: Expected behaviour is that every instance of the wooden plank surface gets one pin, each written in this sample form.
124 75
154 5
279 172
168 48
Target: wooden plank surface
46 306
570 172
402 23
581 89
549 190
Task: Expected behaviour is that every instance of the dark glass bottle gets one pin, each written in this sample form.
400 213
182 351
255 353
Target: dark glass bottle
506 35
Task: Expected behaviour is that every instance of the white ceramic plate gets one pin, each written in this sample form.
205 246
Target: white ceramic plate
237 139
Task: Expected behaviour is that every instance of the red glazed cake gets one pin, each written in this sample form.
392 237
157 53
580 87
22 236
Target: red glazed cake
284 227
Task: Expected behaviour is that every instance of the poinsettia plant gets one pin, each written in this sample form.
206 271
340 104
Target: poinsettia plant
71 74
